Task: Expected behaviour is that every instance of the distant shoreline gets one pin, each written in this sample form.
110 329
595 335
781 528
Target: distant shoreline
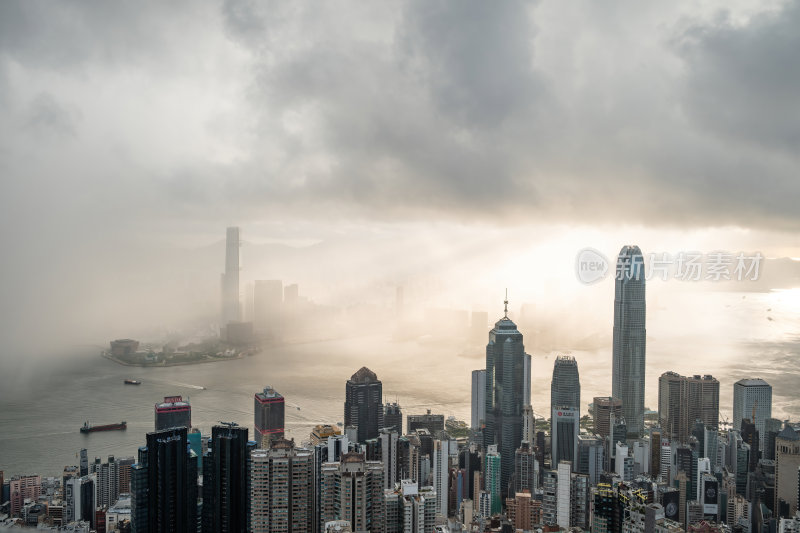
167 364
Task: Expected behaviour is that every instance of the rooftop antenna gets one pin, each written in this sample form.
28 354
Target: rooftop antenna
506 303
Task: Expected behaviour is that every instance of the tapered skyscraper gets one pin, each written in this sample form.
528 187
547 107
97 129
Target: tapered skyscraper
629 337
507 368
231 309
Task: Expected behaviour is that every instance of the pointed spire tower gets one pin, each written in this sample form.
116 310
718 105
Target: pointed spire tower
508 391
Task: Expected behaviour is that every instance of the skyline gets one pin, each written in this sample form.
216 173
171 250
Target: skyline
541 374
295 223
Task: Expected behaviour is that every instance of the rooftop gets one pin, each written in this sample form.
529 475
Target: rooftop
364 375
752 382
788 434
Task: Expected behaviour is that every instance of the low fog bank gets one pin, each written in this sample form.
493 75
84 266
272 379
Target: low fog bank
444 285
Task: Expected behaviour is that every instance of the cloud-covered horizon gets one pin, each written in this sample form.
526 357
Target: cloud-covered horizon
131 123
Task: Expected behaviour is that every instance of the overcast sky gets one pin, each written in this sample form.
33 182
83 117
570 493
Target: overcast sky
133 122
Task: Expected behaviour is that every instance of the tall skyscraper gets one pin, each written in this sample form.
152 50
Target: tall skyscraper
226 480
506 388
478 399
564 439
787 463
565 387
673 410
164 485
526 469
393 417
79 500
591 458
173 412
329 451
352 490
493 477
270 411
231 307
442 449
752 396
628 373
281 489
84 469
603 408
565 397
389 441
528 425
703 394
107 477
683 400
363 406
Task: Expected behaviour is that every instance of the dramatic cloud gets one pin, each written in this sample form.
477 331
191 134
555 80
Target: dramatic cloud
134 123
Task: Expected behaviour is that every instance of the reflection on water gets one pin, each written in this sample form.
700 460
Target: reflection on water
729 335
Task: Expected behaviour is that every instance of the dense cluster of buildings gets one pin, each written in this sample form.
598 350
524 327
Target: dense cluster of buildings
610 470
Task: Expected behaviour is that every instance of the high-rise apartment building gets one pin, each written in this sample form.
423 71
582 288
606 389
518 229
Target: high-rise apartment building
410 509
523 511
173 412
270 412
107 476
352 490
389 441
329 451
752 396
164 485
226 480
628 372
281 489
231 306
23 488
363 406
507 385
478 399
442 450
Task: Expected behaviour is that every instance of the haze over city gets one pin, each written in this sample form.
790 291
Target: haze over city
406 166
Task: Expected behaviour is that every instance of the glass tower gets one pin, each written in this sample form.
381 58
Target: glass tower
565 388
629 337
507 366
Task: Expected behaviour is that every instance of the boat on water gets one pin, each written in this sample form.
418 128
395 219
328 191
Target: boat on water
132 382
87 428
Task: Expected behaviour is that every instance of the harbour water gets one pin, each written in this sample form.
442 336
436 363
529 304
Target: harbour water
728 335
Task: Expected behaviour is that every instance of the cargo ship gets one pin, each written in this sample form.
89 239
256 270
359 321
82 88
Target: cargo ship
132 382
107 427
